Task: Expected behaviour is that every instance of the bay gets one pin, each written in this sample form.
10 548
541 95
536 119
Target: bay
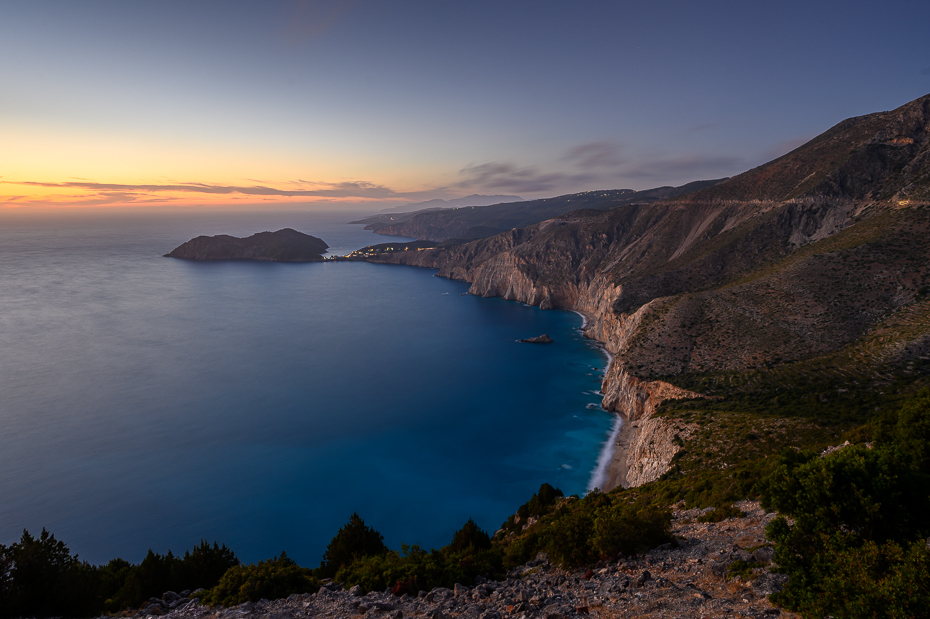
147 402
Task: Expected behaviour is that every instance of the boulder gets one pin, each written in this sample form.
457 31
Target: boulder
763 555
768 583
642 579
170 596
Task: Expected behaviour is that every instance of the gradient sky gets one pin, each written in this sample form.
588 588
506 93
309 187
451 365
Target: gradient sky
144 103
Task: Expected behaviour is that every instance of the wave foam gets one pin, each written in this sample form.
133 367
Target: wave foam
599 476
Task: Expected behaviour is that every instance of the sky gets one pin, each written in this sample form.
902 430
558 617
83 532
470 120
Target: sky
302 103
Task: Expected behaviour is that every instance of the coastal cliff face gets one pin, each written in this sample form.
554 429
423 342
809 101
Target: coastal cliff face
786 262
653 446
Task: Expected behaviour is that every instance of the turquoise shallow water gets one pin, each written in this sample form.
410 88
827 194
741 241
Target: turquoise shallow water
148 402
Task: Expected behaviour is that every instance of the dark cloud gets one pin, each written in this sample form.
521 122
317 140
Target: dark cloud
601 154
693 167
597 165
509 177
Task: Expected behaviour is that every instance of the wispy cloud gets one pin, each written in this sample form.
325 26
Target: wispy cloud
698 128
693 166
589 165
346 189
598 164
311 18
509 177
600 154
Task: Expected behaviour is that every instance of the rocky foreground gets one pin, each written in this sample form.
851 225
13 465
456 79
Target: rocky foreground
689 580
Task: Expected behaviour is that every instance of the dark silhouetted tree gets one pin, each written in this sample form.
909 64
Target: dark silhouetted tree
470 537
353 541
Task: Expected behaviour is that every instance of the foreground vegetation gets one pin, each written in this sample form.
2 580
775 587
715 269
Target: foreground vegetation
852 532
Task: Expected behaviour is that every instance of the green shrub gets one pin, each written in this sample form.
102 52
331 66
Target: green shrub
740 568
596 527
128 586
40 577
623 529
567 537
272 579
873 580
414 569
540 504
857 545
355 540
470 537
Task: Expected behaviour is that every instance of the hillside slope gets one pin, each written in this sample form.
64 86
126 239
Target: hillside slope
804 260
476 222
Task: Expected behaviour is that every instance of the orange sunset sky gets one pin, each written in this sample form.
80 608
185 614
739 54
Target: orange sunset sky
296 102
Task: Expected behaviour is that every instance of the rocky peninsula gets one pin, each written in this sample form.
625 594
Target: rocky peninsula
286 245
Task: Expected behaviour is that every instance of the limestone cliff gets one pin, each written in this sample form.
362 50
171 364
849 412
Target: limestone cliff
654 443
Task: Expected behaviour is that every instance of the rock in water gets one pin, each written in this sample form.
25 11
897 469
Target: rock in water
539 339
285 245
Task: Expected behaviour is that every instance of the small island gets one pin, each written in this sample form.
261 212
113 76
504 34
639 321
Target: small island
539 339
285 245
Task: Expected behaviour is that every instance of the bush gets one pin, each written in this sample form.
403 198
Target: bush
540 504
596 527
470 538
353 541
40 577
128 586
469 555
875 580
272 579
857 545
623 529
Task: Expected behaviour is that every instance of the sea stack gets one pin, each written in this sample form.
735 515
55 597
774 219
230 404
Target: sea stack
539 339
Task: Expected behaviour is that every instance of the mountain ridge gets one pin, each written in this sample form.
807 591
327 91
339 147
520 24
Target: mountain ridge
470 223
472 200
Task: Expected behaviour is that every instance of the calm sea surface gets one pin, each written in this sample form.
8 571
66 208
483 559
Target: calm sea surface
148 402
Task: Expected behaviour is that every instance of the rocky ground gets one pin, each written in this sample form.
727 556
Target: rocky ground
689 580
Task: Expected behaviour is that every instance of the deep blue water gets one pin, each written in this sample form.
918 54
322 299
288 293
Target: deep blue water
148 402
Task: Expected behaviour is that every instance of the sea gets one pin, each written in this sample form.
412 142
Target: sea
150 403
